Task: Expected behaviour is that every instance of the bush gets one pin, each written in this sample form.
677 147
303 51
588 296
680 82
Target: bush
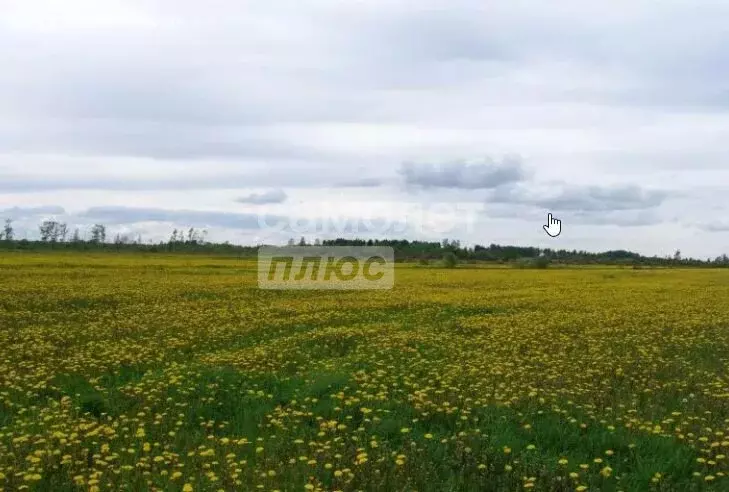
541 262
450 260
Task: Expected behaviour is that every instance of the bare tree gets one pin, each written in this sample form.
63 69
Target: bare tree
62 232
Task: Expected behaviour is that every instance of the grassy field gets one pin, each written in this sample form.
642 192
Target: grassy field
176 373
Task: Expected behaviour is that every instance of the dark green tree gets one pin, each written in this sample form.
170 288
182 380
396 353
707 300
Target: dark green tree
98 234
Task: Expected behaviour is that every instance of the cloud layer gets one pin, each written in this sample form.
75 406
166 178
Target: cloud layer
462 175
619 114
265 198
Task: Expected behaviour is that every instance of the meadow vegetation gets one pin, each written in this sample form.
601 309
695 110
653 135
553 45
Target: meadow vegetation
175 373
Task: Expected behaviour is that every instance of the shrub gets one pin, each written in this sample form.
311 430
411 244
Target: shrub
450 260
540 262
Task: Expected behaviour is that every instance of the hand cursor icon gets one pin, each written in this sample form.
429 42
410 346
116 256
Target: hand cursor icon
553 227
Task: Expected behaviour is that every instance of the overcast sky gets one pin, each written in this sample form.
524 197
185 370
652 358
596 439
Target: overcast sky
429 119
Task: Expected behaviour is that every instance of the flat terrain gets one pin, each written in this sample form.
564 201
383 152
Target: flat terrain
176 373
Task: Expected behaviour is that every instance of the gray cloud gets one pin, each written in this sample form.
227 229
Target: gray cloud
715 227
195 218
461 175
169 141
363 183
621 218
21 213
262 50
572 219
267 197
603 198
582 199
16 183
13 184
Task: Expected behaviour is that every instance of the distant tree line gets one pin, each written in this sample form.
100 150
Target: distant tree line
56 235
426 251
